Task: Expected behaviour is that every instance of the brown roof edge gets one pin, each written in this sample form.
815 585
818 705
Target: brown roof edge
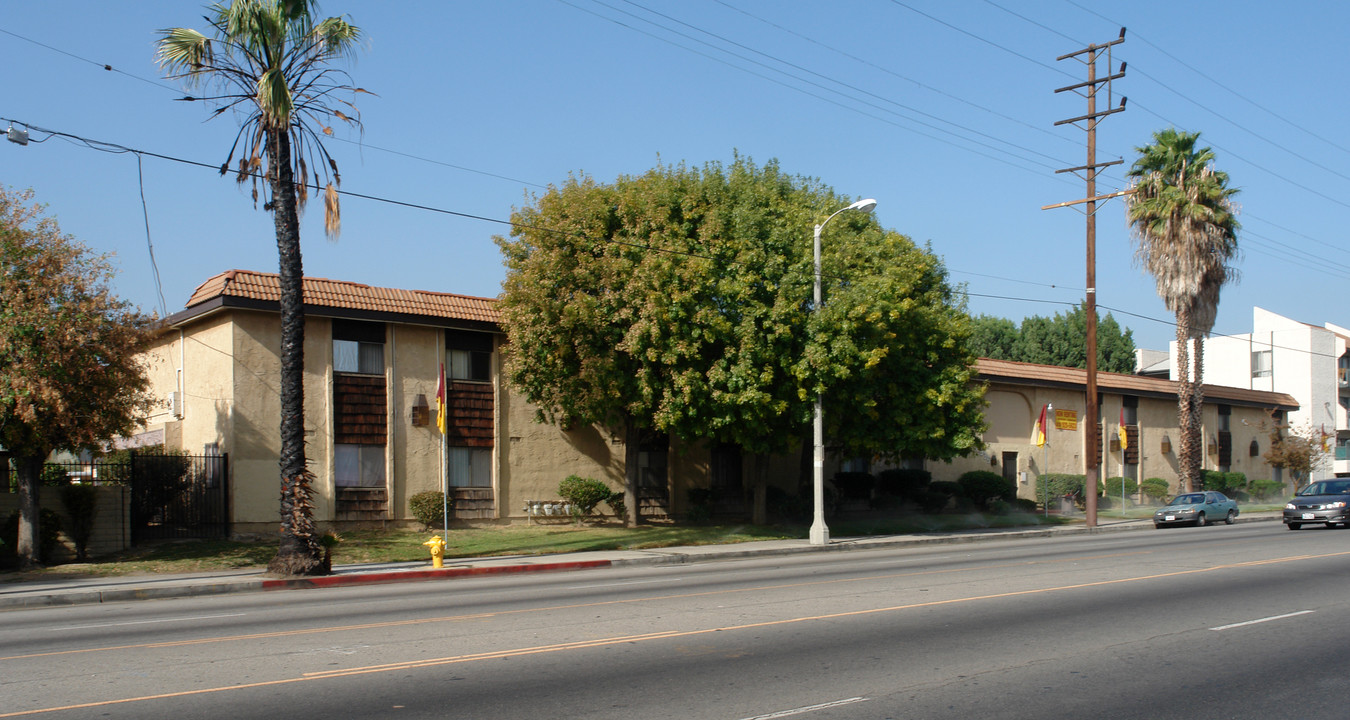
1121 383
262 291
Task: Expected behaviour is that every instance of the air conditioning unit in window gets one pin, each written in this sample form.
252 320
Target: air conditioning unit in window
174 404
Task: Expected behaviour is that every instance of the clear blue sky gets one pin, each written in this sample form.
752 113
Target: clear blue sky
942 111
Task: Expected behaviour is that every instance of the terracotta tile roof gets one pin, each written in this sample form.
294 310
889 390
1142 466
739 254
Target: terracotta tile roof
324 293
1050 375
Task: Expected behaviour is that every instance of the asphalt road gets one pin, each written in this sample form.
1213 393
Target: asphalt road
1221 622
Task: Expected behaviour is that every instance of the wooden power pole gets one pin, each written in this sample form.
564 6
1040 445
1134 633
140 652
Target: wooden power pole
1092 441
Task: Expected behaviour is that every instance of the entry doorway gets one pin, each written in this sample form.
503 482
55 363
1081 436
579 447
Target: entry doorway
1010 467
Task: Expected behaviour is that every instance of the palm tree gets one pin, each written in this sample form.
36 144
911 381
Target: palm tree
270 60
1184 223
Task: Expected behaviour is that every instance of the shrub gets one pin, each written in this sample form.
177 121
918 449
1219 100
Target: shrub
1228 483
934 501
49 534
616 503
81 503
999 506
1264 489
1155 488
429 508
982 486
1116 485
699 497
785 506
904 483
1025 505
583 494
54 476
854 485
1056 485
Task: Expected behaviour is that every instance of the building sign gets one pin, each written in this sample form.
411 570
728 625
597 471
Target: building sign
1066 419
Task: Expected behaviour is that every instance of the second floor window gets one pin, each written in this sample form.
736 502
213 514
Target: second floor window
468 356
1261 364
358 347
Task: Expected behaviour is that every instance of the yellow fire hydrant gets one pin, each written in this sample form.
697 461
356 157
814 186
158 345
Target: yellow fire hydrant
437 546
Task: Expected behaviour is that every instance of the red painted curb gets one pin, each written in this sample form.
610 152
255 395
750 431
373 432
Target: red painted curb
428 574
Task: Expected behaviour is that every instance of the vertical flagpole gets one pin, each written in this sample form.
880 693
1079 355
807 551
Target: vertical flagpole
442 400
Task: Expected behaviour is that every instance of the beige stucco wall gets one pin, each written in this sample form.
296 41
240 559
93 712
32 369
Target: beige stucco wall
1013 411
413 358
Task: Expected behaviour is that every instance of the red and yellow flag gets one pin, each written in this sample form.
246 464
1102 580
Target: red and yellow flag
1120 428
440 401
1038 435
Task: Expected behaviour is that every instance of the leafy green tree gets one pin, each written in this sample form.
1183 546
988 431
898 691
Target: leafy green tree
680 300
1184 222
271 60
1059 340
994 338
69 373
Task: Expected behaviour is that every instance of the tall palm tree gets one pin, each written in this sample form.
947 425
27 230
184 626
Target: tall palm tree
1184 222
270 60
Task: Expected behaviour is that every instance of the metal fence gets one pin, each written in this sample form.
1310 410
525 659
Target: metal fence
172 496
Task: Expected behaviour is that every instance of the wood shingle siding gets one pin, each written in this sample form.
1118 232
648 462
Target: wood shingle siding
471 415
360 410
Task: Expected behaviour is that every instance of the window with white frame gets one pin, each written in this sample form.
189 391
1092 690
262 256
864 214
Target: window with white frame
1261 363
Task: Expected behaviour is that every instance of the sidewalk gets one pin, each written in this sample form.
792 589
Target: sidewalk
89 590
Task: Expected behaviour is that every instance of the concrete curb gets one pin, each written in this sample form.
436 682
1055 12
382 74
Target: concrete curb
397 576
91 594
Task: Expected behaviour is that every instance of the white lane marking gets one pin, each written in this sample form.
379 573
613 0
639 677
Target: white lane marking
148 622
1261 620
616 584
807 709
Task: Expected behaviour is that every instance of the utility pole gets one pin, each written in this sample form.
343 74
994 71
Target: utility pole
1089 56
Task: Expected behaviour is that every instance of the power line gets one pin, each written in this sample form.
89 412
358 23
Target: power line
893 73
1262 168
808 93
1237 94
827 78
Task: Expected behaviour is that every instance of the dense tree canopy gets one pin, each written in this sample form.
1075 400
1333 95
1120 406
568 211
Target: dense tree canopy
69 377
680 300
1060 340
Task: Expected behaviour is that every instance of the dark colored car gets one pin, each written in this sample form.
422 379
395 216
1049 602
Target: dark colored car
1324 501
1196 508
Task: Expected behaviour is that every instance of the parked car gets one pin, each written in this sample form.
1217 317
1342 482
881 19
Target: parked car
1324 501
1196 508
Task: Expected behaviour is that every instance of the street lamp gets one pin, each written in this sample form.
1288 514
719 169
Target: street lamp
820 534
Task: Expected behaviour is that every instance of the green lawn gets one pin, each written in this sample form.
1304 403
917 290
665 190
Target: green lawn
369 546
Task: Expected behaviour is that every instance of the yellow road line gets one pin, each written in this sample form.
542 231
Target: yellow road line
666 635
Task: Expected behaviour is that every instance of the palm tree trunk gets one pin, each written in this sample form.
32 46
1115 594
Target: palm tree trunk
300 552
1185 408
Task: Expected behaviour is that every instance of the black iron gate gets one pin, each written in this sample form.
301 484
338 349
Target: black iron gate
172 496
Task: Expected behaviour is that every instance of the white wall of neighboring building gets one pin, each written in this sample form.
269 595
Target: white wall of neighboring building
1303 361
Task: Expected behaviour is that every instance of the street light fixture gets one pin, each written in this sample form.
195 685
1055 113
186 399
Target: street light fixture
820 534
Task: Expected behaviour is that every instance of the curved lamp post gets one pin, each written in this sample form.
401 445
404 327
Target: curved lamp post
820 534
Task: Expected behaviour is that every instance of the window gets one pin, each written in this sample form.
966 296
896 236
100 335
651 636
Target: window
1261 364
472 365
468 356
470 467
358 347
358 465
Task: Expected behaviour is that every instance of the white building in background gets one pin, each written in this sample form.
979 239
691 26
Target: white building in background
1305 361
